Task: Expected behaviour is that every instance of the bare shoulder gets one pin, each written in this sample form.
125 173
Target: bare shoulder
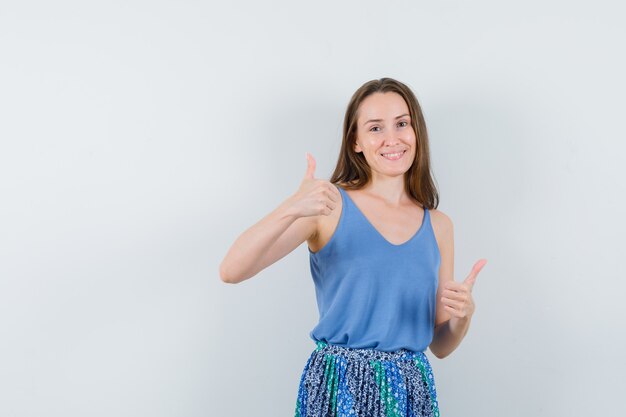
440 218
442 225
325 226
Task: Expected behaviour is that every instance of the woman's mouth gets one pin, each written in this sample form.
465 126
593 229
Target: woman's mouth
393 156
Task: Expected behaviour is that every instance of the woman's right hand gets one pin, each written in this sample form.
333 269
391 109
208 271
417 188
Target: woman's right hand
315 196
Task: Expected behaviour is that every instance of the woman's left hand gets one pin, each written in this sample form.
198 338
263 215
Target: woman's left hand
457 296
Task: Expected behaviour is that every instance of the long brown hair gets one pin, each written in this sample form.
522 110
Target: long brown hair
352 170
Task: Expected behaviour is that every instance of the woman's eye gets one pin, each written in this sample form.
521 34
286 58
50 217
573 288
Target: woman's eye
376 127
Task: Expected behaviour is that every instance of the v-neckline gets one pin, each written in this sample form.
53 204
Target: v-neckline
376 230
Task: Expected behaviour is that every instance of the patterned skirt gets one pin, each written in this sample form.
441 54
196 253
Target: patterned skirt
339 381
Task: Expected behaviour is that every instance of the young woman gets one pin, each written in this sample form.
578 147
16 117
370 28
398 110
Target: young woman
381 257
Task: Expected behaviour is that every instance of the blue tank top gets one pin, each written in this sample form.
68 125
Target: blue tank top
372 293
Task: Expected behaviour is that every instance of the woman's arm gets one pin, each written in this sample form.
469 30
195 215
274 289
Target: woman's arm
284 229
448 336
448 331
455 304
264 243
442 343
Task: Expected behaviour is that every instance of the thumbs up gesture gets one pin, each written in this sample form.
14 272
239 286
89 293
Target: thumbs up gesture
315 196
457 296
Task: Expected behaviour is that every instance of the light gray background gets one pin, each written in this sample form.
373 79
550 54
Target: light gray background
140 138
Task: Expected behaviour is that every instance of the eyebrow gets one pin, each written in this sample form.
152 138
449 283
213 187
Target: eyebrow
380 120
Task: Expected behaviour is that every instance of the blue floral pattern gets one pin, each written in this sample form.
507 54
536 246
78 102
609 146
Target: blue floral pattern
340 381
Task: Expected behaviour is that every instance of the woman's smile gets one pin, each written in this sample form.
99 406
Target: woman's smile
393 156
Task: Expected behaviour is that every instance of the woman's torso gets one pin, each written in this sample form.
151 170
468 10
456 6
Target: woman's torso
375 269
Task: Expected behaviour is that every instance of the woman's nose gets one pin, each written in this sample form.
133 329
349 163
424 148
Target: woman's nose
391 139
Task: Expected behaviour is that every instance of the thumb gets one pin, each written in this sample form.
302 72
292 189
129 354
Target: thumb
471 281
471 278
310 169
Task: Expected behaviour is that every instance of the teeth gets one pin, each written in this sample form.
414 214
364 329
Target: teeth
393 154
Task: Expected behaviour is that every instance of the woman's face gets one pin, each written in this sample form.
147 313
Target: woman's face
383 130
